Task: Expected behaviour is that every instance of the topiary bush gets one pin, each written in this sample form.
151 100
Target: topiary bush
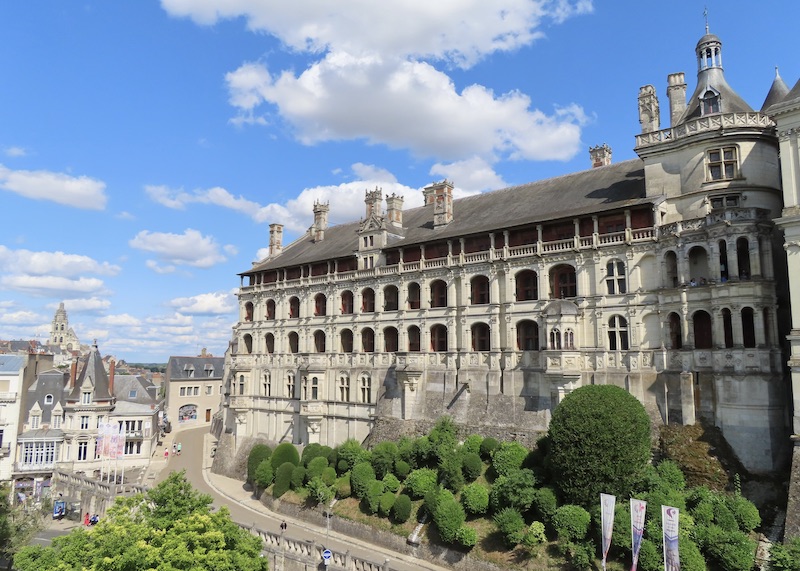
319 491
488 446
467 537
545 503
391 483
258 454
509 457
516 490
450 473
351 452
600 442
328 476
284 452
448 516
401 510
535 535
382 458
420 482
361 476
511 525
472 466
472 444
386 503
264 474
310 452
571 522
401 469
745 512
315 467
298 477
475 499
372 497
283 479
342 486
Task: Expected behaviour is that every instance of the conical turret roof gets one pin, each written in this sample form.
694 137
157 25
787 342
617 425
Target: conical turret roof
777 92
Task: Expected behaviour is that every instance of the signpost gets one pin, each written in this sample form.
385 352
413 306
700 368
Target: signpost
326 557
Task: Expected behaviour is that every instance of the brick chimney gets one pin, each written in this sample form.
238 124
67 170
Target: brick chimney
111 369
275 240
394 210
676 91
320 220
440 194
600 155
373 201
73 373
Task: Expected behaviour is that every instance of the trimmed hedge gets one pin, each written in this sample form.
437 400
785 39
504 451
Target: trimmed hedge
284 452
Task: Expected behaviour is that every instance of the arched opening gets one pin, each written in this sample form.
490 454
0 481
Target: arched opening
271 309
365 388
319 341
527 283
294 308
367 340
294 342
269 340
480 337
563 282
703 338
438 294
479 290
438 338
248 343
675 333
727 327
347 302
248 311
555 339
743 258
569 339
617 333
344 387
527 335
748 327
698 265
320 304
390 340
671 269
368 300
346 339
414 339
723 260
414 296
390 298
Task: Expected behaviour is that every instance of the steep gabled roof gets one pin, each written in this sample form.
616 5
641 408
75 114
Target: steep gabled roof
606 188
95 373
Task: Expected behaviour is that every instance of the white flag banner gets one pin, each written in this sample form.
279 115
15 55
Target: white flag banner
638 510
607 504
669 523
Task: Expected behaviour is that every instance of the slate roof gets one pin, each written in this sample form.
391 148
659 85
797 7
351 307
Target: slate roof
616 186
50 382
11 363
42 434
95 372
777 92
178 367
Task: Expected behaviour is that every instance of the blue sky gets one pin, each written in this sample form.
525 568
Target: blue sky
145 147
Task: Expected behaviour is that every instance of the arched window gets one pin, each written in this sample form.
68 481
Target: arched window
294 308
320 304
248 311
367 340
248 343
439 338
438 294
48 399
271 309
569 339
710 102
479 290
347 302
727 327
615 277
346 338
414 339
617 333
290 385
743 257
723 260
675 333
344 387
702 330
310 388
294 342
671 269
241 384
365 388
563 281
480 337
390 340
390 298
267 385
269 339
698 265
555 339
319 341
368 300
414 295
527 283
528 336
748 327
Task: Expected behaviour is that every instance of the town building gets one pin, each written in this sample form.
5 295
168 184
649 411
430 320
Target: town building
193 390
665 275
61 334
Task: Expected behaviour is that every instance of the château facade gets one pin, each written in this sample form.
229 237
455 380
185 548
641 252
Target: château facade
665 275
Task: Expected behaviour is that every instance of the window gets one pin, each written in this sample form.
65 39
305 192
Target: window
314 388
48 399
189 370
248 311
438 338
241 384
703 338
710 102
290 385
248 345
748 327
344 387
366 388
346 338
527 286
267 385
84 423
414 339
438 294
368 301
615 277
480 337
271 309
367 340
56 421
35 420
617 333
347 303
294 342
722 164
319 341
83 448
86 397
555 339
390 340
294 308
725 201
564 282
209 368
132 393
480 290
133 447
413 296
390 297
528 336
183 391
209 390
320 304
270 343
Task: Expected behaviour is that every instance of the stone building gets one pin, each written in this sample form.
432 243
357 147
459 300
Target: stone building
61 334
664 274
193 390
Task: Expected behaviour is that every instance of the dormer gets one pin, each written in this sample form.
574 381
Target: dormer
372 235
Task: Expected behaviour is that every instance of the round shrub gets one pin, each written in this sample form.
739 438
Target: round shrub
352 453
509 457
423 451
401 469
382 458
342 466
342 487
545 503
571 522
298 477
451 474
284 452
472 444
391 482
535 535
511 525
361 476
420 482
488 446
310 452
449 516
315 467
386 503
730 550
264 474
475 499
472 466
650 556
467 537
401 510
258 454
600 442
328 476
283 479
516 490
372 498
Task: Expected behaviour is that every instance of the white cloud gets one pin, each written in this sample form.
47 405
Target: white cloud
85 305
472 175
52 263
79 192
22 318
190 248
217 303
120 320
15 152
52 286
159 269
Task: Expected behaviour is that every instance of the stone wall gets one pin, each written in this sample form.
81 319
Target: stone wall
792 529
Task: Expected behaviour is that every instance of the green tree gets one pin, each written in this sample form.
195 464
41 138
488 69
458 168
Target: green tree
600 442
284 452
571 522
475 498
509 457
319 491
516 490
351 453
173 499
511 525
361 476
420 482
258 454
264 474
401 510
383 457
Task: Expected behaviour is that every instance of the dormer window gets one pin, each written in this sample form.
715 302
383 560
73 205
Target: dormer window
710 102
723 164
35 419
86 397
209 370
48 399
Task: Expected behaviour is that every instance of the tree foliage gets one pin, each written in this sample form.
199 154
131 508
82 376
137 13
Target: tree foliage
258 454
600 442
284 452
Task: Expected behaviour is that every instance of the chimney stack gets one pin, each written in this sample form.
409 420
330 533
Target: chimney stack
600 155
440 194
275 240
394 210
73 373
373 201
649 111
676 91
111 369
320 220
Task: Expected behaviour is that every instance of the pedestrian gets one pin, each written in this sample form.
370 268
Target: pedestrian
166 454
283 526
179 448
174 448
86 519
